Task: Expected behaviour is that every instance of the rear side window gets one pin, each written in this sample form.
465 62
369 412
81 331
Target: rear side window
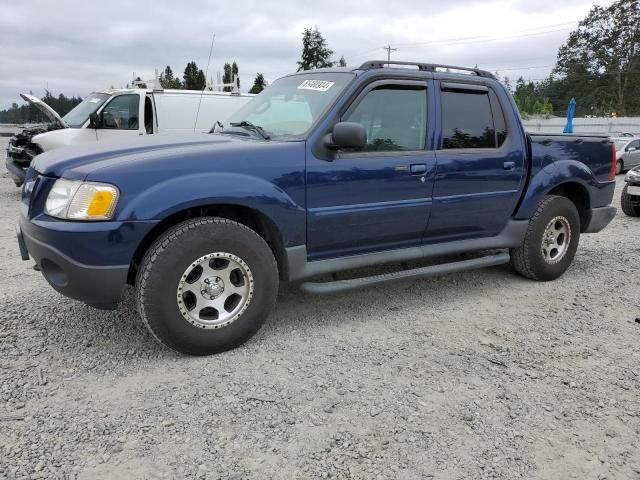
468 122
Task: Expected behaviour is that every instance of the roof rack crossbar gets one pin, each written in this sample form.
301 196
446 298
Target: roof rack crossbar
427 67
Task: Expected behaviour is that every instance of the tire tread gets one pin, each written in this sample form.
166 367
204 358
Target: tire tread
163 243
627 207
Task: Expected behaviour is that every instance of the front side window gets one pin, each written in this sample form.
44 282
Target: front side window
121 113
395 118
466 120
634 144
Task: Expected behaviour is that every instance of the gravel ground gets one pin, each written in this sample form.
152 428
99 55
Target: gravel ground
476 375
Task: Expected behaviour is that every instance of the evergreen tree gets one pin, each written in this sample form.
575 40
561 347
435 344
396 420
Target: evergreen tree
139 83
193 78
234 71
315 53
167 80
259 84
227 76
342 62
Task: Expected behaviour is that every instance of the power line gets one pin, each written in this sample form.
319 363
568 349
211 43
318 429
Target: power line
540 30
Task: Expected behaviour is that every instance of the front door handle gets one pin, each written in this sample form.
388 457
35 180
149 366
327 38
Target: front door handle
418 169
509 165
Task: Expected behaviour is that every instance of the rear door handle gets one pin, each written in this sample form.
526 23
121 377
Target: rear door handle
509 165
418 169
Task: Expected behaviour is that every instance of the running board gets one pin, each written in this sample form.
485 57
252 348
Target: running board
452 267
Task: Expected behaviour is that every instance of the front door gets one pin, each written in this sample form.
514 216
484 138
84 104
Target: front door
631 155
480 166
379 197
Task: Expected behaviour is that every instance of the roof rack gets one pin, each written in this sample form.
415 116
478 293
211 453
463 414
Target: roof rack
427 67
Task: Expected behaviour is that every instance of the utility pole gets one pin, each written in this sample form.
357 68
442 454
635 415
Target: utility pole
389 50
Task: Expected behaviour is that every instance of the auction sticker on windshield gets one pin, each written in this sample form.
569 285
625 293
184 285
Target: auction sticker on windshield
317 85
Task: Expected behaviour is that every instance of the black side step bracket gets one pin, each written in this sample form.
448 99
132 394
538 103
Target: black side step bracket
452 267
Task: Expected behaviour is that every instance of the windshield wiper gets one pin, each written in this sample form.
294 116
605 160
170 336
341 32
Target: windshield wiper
250 126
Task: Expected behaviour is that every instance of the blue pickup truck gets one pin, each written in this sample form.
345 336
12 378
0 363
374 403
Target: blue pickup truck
325 171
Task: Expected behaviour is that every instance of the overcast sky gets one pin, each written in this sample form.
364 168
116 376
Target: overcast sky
76 47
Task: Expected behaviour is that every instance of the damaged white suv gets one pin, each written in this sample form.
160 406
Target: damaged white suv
120 114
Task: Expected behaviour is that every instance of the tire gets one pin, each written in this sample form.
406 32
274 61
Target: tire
175 280
530 260
627 207
619 167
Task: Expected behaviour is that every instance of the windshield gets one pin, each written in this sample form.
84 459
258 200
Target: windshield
80 113
290 106
620 144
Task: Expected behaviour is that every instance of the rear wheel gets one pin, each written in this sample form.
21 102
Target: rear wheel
550 242
206 285
628 206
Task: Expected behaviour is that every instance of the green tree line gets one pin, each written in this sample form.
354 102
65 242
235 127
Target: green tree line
28 113
599 65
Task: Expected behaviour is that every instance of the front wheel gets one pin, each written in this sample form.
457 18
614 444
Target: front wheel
619 167
550 242
207 285
629 207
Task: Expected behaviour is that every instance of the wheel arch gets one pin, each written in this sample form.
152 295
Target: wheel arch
256 220
579 196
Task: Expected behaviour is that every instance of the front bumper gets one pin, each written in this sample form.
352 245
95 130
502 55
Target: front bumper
600 218
60 255
16 171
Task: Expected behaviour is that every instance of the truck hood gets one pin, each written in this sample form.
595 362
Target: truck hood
49 112
139 154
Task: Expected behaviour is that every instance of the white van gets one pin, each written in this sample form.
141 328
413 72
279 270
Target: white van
121 113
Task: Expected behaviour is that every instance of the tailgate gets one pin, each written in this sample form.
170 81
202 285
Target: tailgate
595 151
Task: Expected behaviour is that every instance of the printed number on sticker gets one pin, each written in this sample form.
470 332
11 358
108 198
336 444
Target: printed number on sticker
318 85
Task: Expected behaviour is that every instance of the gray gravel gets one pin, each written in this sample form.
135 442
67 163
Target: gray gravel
476 375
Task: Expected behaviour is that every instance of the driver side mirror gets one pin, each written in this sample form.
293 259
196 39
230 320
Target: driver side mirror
631 149
94 120
346 135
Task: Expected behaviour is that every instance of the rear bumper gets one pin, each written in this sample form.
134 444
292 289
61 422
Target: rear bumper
99 285
600 218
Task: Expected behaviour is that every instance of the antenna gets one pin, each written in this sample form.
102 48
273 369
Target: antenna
205 81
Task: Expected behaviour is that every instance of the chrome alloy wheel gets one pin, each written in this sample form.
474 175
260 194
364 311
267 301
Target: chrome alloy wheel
556 239
215 290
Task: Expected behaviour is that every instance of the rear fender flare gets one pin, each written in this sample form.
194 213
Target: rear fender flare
551 176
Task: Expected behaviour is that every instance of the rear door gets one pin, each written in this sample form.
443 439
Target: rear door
379 197
480 165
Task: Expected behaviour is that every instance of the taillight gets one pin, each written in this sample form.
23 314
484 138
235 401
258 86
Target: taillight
614 161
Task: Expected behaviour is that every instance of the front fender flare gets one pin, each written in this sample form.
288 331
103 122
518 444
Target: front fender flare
204 189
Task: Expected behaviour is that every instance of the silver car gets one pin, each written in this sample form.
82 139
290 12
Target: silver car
627 154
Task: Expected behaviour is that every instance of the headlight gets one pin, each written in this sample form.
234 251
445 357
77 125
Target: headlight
77 200
632 176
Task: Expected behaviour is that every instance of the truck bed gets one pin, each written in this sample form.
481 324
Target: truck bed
595 151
